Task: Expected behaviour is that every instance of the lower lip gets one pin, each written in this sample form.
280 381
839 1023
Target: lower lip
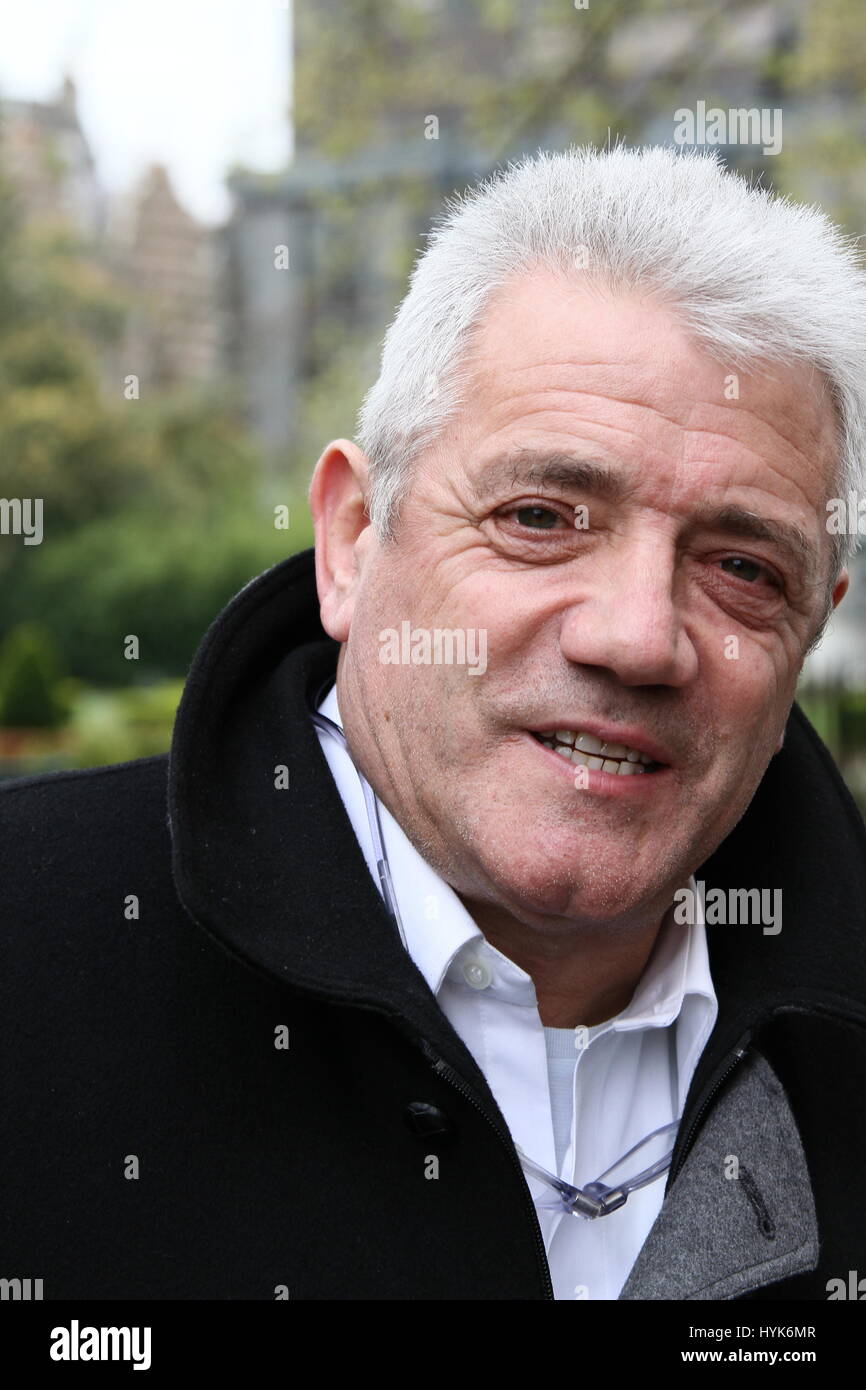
608 783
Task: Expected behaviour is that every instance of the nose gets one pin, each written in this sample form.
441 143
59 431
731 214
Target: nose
630 619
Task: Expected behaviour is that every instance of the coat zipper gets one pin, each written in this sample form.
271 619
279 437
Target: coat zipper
442 1069
740 1051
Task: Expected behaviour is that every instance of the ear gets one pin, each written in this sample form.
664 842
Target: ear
337 498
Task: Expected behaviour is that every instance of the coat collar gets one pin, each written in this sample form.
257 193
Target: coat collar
687 1256
275 874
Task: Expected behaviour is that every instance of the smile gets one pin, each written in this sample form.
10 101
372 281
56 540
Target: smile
585 749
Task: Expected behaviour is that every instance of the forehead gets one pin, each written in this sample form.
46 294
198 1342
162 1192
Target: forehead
554 353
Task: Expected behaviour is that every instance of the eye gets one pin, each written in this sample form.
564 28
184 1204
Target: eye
749 570
537 518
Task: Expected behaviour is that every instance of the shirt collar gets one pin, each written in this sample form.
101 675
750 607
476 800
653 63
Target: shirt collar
443 938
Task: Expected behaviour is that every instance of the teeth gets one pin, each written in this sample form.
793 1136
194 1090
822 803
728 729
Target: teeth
586 760
588 743
616 759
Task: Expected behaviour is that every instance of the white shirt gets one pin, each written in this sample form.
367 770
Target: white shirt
626 1077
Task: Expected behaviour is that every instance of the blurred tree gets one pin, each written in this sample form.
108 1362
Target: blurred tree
161 577
152 510
502 74
29 676
821 75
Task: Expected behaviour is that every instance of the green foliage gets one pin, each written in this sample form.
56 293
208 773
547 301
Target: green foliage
29 675
161 576
153 509
501 75
839 716
831 51
119 725
852 720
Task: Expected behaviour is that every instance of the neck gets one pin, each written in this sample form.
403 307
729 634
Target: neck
582 978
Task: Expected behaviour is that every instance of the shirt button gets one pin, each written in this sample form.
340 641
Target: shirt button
477 974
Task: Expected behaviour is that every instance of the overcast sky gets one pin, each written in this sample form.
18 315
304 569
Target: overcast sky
192 84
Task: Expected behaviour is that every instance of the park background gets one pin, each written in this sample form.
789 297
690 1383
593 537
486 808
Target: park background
208 214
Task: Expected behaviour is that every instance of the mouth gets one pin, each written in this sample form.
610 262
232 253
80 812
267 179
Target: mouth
588 750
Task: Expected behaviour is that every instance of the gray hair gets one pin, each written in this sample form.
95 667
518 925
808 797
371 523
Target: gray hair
752 275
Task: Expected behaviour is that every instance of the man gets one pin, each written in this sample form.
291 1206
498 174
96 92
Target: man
384 1013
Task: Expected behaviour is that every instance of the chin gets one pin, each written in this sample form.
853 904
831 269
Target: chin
566 887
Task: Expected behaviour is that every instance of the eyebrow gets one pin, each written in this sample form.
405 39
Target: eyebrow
555 468
570 472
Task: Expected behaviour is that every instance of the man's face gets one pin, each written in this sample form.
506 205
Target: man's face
632 601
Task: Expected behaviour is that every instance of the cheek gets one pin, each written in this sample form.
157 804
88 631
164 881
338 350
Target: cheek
752 695
752 681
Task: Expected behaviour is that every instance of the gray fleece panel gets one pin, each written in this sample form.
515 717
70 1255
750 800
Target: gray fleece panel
719 1236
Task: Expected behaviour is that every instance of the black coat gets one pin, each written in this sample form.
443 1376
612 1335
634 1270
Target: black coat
147 1043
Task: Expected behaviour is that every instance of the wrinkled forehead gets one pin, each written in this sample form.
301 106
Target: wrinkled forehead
550 351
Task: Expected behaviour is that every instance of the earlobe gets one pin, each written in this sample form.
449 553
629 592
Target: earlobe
841 587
